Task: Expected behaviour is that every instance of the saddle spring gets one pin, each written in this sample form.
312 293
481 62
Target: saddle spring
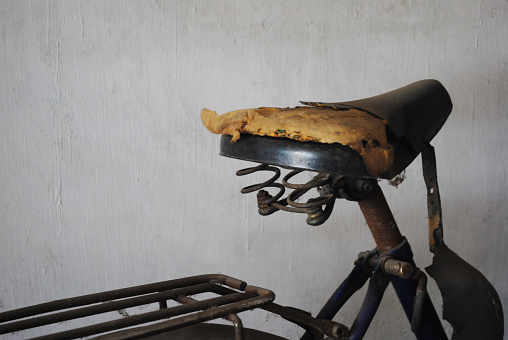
328 186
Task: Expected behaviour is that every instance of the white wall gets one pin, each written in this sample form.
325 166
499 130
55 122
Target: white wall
109 180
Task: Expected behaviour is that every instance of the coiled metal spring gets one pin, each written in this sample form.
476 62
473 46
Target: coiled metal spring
268 204
330 187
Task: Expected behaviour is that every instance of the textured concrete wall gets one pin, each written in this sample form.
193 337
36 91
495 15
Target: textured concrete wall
108 178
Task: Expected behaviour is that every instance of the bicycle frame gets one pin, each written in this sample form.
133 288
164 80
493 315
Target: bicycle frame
390 245
428 326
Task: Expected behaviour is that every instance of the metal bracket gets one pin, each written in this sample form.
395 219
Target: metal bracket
433 198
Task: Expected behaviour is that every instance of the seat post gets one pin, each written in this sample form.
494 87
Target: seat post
380 220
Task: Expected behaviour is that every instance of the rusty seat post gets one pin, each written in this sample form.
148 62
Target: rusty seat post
380 220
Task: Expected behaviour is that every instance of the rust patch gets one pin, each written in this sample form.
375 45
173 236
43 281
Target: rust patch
380 220
434 223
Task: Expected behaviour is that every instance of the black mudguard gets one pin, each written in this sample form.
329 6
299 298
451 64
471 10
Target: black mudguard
470 302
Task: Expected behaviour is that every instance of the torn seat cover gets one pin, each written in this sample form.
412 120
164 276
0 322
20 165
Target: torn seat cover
388 131
357 129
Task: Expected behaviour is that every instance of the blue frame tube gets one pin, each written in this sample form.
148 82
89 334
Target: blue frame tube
377 286
431 327
355 280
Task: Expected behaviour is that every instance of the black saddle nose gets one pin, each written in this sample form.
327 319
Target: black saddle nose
415 112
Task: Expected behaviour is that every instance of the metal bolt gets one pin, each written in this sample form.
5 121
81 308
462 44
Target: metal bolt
340 331
364 186
399 268
263 195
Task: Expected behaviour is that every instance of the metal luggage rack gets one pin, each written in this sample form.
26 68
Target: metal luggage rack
233 296
230 296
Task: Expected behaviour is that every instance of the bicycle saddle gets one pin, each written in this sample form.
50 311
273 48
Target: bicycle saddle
414 115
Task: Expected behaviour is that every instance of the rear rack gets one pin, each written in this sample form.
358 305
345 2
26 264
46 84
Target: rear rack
231 296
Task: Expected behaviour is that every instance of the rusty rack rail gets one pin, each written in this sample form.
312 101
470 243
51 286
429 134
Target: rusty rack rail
231 296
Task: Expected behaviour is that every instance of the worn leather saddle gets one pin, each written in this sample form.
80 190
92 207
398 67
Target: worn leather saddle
414 114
